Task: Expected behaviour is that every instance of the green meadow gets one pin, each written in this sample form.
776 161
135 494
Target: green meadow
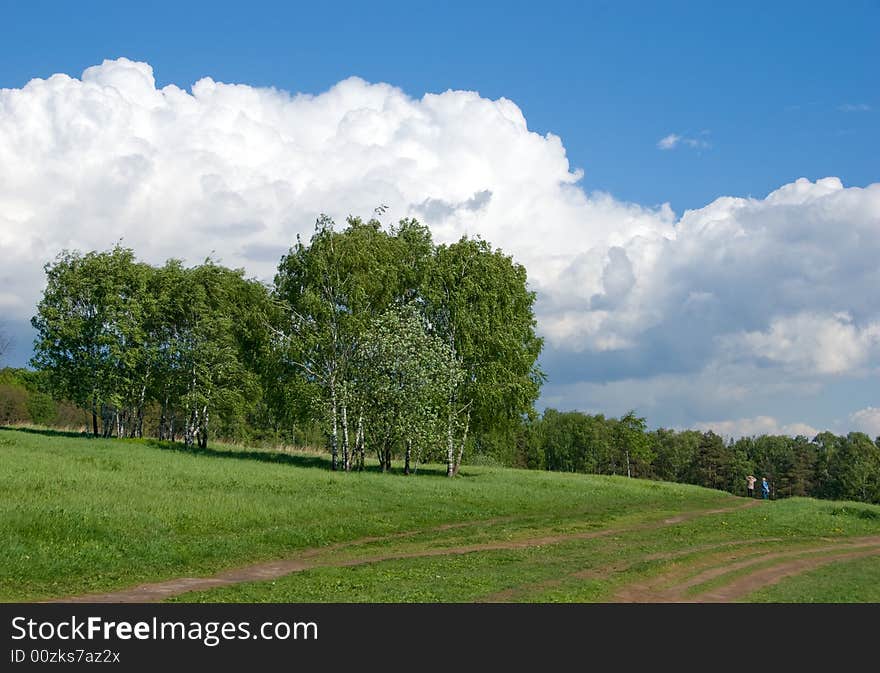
82 516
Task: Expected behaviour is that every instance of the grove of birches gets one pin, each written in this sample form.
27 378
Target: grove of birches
376 344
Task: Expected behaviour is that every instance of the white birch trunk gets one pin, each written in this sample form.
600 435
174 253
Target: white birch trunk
360 441
334 435
464 436
203 428
450 444
346 457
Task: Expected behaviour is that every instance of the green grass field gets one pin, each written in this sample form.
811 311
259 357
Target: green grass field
82 516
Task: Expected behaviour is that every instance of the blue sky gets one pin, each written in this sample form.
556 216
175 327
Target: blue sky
767 81
749 315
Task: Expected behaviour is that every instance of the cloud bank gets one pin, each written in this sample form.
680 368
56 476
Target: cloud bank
760 425
867 420
743 292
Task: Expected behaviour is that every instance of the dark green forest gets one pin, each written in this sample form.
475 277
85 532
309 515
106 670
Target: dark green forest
369 342
825 466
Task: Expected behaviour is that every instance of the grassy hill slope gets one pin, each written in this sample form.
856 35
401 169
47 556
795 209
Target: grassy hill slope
79 516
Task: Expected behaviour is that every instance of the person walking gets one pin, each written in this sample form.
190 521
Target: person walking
750 485
765 488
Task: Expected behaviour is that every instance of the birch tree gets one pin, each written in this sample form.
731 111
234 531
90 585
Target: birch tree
311 281
478 302
405 376
204 358
87 324
332 289
631 441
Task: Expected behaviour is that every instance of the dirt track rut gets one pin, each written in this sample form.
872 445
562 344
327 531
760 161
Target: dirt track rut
760 570
308 559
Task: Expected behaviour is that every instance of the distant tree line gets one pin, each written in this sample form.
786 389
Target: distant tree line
384 341
24 400
825 466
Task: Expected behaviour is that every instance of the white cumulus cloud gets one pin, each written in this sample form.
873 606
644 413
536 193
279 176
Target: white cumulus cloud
867 420
759 425
782 286
825 344
242 170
